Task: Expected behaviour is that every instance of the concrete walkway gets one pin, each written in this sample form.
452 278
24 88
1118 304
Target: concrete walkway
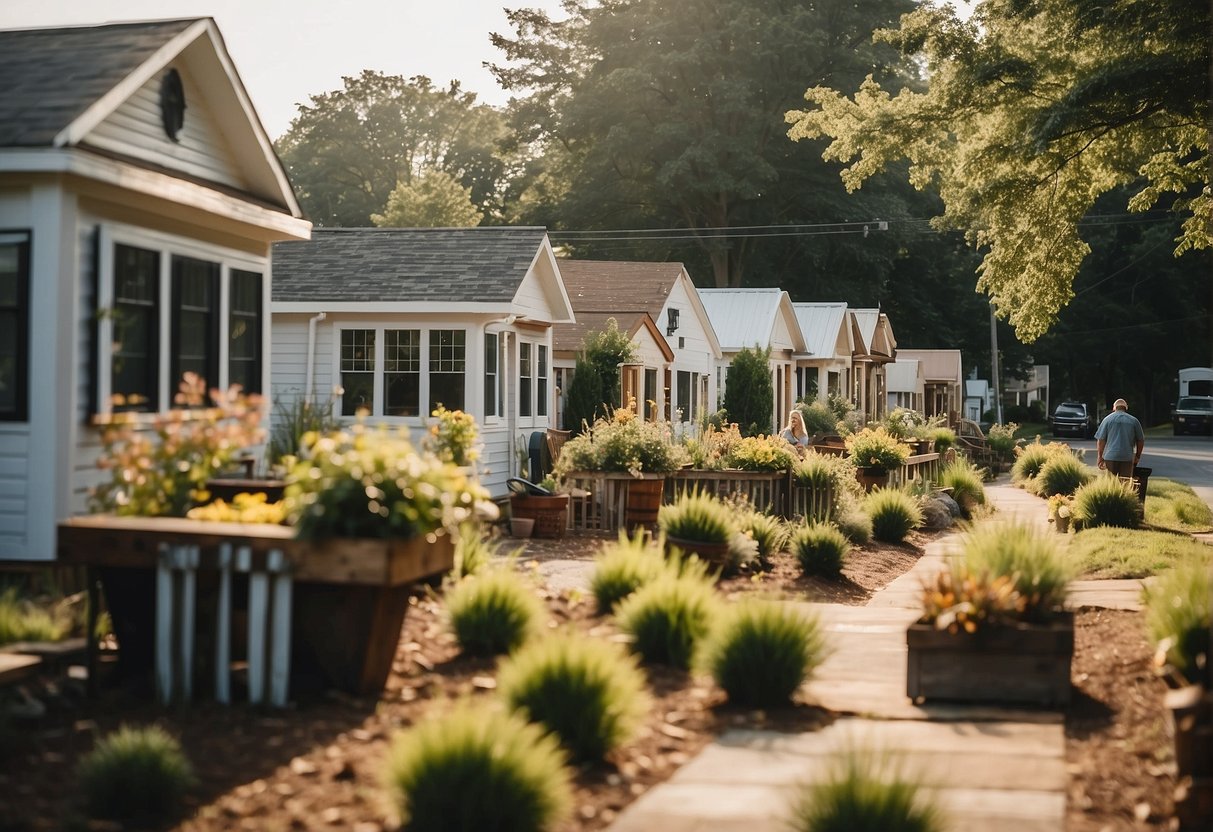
989 768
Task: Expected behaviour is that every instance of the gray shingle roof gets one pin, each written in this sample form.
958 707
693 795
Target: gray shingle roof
456 265
49 77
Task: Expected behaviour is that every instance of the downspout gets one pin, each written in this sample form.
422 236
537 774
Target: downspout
309 380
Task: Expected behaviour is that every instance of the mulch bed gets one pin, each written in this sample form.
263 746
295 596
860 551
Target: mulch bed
317 765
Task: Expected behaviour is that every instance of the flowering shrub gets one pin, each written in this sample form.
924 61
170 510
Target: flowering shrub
452 437
710 450
1060 505
623 443
162 469
877 448
244 508
761 453
363 482
1002 439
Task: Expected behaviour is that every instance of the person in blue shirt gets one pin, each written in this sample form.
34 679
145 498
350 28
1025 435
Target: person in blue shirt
1119 441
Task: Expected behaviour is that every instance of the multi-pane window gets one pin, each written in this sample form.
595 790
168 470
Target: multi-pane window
525 378
448 364
135 360
491 376
402 372
195 324
685 386
650 393
14 326
541 380
244 330
357 371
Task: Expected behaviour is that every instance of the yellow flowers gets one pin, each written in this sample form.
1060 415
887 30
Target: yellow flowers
963 600
244 508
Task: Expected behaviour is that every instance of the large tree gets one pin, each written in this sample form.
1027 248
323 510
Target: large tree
433 199
349 149
1036 108
650 114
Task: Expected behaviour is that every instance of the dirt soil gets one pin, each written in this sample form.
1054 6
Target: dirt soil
317 765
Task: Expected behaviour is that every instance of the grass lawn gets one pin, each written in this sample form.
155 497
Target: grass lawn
1030 430
1107 552
1175 506
1159 430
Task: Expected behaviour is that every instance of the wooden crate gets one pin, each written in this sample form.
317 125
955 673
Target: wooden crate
1026 664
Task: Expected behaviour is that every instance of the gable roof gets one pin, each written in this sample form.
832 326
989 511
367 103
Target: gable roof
876 333
612 285
59 84
937 365
567 338
744 317
903 376
385 265
820 323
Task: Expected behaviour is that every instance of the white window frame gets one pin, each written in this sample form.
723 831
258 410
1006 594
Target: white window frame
499 402
534 420
167 246
424 328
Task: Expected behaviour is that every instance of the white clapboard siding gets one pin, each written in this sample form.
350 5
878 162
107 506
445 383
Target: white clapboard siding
531 301
495 464
135 129
14 488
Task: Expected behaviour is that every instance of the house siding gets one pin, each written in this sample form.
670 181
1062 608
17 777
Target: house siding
135 129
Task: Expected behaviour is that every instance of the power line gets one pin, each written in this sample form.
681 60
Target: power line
1129 326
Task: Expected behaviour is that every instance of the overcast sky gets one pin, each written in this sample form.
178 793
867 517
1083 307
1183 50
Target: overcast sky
286 50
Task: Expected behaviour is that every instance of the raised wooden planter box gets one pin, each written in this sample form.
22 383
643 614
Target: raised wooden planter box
764 489
1026 664
342 601
716 554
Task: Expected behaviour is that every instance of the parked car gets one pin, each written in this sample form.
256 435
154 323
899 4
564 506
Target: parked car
1073 419
1192 414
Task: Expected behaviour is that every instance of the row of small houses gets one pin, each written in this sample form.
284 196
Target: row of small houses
141 207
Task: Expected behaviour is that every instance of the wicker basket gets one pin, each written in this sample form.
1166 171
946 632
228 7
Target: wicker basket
551 514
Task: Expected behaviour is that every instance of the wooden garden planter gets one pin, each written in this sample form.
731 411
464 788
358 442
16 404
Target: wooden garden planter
1027 664
764 489
871 478
331 610
716 554
1190 725
550 513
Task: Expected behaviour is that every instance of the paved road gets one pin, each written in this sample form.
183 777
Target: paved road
1185 458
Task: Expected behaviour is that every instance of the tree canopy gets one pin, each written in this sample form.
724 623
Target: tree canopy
349 149
1034 109
433 199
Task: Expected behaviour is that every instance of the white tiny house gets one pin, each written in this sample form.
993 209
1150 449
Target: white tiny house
139 199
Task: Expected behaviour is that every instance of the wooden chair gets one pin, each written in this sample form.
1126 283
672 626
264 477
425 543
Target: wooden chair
972 440
578 497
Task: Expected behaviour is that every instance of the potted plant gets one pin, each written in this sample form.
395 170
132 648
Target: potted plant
702 525
547 510
1061 509
993 627
875 452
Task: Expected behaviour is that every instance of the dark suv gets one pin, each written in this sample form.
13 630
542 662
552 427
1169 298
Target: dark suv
1073 419
1193 414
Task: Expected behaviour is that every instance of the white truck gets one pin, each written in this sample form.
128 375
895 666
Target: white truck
1196 381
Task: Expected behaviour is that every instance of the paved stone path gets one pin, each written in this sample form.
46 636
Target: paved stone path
989 768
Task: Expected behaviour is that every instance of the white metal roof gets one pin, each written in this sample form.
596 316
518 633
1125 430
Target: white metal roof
820 323
745 317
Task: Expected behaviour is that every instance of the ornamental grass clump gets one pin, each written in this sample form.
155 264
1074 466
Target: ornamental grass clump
696 517
1032 562
865 792
1062 474
1179 613
24 620
894 514
668 617
760 652
475 769
588 692
820 549
1029 459
855 525
876 448
494 612
623 567
137 776
769 533
964 479
373 483
1106 501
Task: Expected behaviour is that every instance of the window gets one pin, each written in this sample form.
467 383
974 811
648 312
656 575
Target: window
14 327
491 383
685 388
135 361
448 364
244 330
650 393
524 378
195 326
401 372
357 370
541 381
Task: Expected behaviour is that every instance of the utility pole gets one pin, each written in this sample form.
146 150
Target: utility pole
994 365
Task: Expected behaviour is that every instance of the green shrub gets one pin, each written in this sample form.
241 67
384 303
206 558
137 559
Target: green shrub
820 548
22 620
965 481
877 448
1106 501
293 420
944 438
1002 440
623 567
762 651
1107 552
894 514
770 533
814 471
1031 458
697 516
473 551
1062 474
477 769
135 775
818 418
667 618
761 453
586 691
748 392
1178 610
855 525
864 793
1030 560
494 612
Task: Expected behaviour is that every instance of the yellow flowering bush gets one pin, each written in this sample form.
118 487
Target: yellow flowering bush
452 436
761 453
877 448
244 508
161 467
